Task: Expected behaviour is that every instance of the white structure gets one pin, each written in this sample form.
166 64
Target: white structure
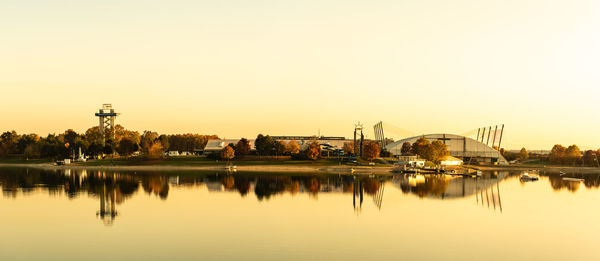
411 161
451 161
172 153
460 147
216 146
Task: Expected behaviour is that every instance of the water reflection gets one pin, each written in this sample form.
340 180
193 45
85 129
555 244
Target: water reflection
572 182
113 188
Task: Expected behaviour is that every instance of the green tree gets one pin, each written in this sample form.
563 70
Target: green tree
590 158
26 140
109 147
32 151
8 143
127 146
164 140
264 145
93 141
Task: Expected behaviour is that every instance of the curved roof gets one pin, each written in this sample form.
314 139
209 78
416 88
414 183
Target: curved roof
458 146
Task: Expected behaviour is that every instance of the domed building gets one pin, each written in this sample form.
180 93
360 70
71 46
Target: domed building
467 149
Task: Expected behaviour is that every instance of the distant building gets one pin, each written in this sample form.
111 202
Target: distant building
467 149
172 153
217 145
414 161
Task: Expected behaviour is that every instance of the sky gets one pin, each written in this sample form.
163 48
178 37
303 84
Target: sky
239 68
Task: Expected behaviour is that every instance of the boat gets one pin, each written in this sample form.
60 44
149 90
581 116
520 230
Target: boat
572 179
526 177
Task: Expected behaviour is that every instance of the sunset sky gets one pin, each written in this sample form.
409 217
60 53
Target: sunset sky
239 68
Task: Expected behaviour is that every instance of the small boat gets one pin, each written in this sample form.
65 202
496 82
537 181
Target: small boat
526 177
572 179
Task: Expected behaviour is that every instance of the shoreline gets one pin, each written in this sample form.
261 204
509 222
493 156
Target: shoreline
243 168
333 169
546 169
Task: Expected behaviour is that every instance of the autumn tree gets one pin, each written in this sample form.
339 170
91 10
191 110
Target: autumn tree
227 153
242 148
438 151
523 154
422 148
293 148
349 148
147 140
573 154
557 154
371 151
156 150
313 150
279 147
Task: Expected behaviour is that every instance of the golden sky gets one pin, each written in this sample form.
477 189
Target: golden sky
239 68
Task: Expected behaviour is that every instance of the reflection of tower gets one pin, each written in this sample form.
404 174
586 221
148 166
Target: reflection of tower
108 206
357 192
106 117
378 197
358 145
490 197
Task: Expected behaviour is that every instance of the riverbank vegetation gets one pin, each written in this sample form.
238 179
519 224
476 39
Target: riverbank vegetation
92 143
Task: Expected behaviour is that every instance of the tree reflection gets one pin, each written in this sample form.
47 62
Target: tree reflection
242 184
558 183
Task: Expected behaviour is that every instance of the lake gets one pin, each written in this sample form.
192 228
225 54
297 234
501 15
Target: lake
190 215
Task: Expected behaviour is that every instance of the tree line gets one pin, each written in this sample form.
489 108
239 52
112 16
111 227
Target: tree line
572 155
434 151
117 141
265 145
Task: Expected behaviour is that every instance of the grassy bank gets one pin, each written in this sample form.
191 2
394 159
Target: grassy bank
203 161
23 161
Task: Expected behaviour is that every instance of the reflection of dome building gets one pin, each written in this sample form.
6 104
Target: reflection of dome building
460 147
446 187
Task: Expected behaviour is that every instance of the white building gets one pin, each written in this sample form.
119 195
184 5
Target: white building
467 149
451 161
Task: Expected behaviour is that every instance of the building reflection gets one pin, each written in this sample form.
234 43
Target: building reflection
485 189
111 189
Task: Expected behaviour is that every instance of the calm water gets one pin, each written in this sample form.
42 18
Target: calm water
91 215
